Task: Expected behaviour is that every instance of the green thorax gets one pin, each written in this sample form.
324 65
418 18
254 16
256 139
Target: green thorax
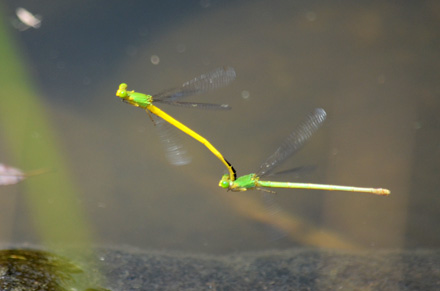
244 183
134 98
141 99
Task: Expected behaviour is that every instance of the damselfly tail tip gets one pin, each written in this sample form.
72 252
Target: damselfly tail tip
382 192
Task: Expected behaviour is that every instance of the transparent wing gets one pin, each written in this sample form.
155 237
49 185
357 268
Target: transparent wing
297 171
172 143
218 78
274 210
294 141
206 106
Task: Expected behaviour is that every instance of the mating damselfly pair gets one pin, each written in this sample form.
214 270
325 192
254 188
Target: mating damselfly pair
217 79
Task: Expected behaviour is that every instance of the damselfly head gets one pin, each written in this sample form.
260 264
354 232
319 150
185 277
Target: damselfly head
122 91
225 182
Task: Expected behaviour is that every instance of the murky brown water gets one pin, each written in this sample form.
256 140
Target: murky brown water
373 67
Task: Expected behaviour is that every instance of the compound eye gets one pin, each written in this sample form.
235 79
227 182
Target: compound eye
224 184
122 91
